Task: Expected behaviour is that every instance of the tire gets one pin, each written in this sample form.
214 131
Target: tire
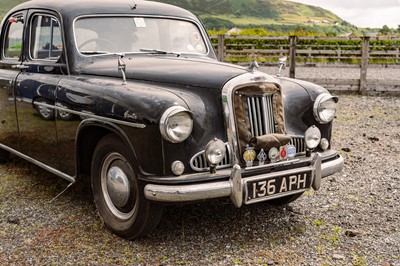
117 192
4 156
43 111
66 116
285 200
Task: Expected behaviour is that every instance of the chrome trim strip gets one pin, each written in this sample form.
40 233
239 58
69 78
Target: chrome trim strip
90 115
40 164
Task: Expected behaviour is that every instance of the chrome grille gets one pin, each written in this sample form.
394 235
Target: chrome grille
298 142
199 162
261 115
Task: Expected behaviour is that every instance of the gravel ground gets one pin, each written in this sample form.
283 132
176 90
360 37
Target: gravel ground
338 73
354 219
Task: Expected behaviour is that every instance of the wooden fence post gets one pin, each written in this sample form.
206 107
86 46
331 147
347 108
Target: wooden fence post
364 64
221 48
292 56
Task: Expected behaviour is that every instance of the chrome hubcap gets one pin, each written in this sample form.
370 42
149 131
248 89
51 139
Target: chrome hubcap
45 111
117 190
118 186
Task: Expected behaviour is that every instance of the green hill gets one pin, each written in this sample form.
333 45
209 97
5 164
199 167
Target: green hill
6 5
277 15
217 13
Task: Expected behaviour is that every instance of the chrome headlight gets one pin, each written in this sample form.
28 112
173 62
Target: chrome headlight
312 137
325 108
215 151
176 124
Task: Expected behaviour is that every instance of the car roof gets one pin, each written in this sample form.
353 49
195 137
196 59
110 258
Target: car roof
74 8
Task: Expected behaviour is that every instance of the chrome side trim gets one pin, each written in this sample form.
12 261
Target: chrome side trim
40 164
90 115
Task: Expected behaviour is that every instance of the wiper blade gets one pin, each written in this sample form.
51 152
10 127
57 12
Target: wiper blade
157 51
95 52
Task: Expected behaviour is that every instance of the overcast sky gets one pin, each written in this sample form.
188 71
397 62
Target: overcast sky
362 13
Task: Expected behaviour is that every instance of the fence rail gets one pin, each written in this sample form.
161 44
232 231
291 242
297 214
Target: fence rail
359 52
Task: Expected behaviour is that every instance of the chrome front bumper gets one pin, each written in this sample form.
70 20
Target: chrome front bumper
234 187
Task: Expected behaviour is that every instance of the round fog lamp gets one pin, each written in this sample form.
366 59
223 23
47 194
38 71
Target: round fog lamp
312 137
215 151
178 168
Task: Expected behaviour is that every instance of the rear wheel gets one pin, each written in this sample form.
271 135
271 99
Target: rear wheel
118 193
44 112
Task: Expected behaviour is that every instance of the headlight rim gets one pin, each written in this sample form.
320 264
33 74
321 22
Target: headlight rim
322 98
168 113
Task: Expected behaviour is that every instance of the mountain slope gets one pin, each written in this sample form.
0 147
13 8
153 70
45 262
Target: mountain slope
256 12
241 13
6 5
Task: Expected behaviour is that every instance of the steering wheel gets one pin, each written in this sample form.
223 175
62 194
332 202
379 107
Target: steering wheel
103 43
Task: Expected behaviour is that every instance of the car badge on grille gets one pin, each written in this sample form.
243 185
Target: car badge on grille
262 157
273 154
282 152
249 155
290 152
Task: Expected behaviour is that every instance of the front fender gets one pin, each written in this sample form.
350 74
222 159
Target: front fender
89 133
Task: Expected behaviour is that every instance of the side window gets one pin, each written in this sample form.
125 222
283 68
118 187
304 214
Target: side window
45 40
13 40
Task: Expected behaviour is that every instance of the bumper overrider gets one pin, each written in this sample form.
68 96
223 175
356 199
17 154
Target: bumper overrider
251 189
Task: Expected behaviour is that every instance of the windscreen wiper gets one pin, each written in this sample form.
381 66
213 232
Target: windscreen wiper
157 51
95 52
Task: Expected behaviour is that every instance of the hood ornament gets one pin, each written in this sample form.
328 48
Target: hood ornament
122 67
253 65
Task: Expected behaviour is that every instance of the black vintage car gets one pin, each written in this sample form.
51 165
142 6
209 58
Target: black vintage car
130 94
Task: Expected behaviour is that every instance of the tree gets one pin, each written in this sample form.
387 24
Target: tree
385 30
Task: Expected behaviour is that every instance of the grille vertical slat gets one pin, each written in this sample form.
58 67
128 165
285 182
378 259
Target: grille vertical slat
298 142
250 117
261 115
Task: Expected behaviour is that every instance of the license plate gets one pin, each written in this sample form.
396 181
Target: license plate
267 187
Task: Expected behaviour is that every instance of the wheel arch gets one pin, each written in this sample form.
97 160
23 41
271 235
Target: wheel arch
90 132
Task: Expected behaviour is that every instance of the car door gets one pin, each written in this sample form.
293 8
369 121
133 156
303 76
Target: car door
35 88
10 67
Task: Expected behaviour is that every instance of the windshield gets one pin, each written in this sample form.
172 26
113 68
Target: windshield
99 35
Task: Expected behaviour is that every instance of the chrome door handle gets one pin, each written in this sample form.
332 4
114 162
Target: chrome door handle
20 66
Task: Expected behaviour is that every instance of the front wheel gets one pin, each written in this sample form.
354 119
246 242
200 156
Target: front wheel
118 193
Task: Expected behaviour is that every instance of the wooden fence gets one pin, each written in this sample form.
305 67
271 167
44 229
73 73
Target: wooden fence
358 52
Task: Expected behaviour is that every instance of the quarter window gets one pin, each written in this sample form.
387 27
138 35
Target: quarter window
13 43
45 41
